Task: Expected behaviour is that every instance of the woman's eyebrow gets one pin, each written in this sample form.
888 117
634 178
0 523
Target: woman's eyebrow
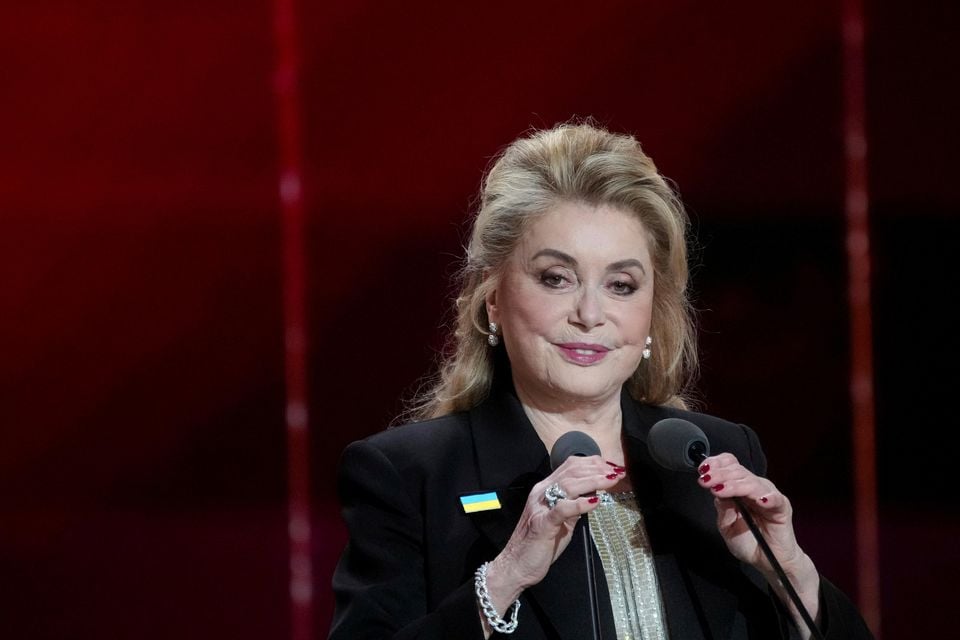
623 265
559 255
619 265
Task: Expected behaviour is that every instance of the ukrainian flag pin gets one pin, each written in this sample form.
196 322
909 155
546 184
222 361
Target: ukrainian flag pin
480 502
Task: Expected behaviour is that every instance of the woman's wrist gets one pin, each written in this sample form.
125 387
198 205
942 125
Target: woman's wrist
498 591
504 587
805 579
802 573
490 617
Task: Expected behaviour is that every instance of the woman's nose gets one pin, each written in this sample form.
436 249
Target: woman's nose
588 312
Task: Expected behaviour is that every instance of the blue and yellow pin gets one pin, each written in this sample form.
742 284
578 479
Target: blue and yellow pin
480 502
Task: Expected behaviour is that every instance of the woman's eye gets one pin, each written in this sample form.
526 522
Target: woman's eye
622 288
553 280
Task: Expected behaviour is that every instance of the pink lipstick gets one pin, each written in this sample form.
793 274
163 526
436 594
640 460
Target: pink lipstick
583 353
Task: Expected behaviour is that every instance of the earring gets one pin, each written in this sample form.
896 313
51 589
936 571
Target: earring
646 352
492 338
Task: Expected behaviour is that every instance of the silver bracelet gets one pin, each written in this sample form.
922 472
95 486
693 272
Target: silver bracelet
496 623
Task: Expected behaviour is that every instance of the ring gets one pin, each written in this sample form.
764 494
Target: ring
553 494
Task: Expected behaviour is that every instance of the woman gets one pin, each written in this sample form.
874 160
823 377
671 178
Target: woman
573 316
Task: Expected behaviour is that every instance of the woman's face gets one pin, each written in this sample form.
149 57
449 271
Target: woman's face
574 303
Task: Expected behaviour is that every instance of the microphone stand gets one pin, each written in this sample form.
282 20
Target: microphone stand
591 577
699 454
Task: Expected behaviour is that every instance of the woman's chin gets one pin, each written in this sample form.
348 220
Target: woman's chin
587 390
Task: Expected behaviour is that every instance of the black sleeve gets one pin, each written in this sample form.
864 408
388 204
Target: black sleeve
839 619
757 462
379 585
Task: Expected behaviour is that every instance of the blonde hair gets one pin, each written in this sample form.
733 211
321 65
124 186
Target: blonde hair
578 162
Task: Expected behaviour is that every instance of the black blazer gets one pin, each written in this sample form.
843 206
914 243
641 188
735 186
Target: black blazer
407 571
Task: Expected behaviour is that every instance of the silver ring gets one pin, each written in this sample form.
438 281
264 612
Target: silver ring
553 494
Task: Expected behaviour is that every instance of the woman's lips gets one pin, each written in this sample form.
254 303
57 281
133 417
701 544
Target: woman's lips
583 353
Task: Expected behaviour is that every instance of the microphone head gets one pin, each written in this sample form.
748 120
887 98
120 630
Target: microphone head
572 443
677 444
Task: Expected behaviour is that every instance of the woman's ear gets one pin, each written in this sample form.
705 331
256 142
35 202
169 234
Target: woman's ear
490 283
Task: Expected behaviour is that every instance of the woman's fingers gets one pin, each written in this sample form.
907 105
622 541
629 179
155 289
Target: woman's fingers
729 482
725 477
578 477
727 513
578 480
740 485
717 462
570 510
580 467
772 502
548 520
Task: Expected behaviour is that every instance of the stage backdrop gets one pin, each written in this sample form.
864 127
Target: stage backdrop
143 456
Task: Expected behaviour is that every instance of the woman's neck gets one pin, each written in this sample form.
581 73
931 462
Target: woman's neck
602 421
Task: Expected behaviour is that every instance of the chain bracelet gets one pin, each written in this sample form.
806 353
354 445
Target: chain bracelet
496 623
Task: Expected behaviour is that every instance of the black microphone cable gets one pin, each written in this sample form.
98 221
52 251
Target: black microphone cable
680 445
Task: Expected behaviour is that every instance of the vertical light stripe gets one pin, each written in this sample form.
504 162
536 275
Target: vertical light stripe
861 331
286 90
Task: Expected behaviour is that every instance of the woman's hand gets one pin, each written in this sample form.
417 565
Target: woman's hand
726 478
542 533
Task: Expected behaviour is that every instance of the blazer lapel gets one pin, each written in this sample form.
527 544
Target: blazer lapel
511 459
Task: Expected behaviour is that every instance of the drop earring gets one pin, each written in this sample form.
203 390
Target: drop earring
492 338
646 352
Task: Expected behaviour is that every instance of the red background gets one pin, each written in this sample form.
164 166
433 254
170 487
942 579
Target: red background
142 444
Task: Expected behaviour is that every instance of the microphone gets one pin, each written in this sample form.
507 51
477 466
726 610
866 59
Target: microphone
572 443
680 445
577 443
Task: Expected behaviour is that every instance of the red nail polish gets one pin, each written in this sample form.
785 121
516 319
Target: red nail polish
613 476
612 464
703 468
593 499
763 499
719 487
705 477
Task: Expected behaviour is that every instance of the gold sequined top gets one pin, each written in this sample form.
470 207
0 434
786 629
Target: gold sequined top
621 539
